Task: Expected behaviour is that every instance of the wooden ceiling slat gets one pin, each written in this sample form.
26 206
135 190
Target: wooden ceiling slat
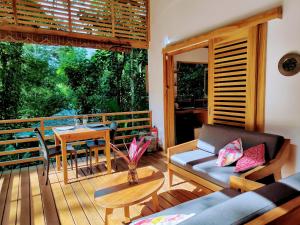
119 21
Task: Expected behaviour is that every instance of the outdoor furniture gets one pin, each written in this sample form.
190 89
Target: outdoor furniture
199 165
52 152
95 145
259 205
116 192
62 137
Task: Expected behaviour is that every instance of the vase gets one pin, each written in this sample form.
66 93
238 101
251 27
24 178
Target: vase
132 173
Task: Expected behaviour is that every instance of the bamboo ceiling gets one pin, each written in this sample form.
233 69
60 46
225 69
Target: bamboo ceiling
89 23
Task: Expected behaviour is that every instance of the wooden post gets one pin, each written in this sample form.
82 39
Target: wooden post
103 119
150 119
69 14
113 20
15 11
148 20
42 127
107 152
127 214
58 162
108 213
64 160
155 202
261 76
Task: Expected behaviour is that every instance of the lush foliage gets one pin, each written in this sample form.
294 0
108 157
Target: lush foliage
41 80
192 80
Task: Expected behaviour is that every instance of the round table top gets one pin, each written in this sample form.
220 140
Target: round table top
118 193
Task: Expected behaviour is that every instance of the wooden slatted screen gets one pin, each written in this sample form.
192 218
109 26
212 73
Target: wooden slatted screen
232 79
119 19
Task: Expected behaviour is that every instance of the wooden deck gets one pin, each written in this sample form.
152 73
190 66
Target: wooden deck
24 199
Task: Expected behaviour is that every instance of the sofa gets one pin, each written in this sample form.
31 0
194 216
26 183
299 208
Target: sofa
196 160
229 206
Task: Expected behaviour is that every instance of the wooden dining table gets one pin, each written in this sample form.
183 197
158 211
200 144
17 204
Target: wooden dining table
64 135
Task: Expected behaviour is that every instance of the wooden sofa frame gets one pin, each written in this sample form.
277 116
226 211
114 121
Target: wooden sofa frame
272 167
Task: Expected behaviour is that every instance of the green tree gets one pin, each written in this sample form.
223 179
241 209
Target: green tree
43 91
11 79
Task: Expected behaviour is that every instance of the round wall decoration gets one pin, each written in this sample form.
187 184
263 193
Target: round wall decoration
289 64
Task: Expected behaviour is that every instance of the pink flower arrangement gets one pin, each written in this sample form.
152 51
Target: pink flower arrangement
135 151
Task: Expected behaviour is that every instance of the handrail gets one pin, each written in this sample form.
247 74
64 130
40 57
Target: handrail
138 121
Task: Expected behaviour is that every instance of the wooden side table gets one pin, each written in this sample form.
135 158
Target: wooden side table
118 193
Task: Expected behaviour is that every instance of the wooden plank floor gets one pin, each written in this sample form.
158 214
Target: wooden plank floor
25 199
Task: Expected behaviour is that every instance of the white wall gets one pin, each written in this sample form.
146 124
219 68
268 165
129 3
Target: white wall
199 55
283 93
178 19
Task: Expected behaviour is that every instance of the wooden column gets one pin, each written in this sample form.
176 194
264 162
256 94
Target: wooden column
70 16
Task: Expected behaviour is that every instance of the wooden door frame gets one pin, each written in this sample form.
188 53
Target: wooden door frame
201 41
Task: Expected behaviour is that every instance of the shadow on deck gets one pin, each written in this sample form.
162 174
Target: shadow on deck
25 199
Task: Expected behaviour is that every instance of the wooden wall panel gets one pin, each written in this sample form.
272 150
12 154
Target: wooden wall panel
232 79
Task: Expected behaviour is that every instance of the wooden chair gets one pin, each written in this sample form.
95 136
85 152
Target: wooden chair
48 153
100 143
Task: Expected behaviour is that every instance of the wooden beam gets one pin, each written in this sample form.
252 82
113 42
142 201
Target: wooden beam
148 21
195 42
15 11
19 151
70 16
165 93
20 161
107 40
113 21
69 117
261 76
169 111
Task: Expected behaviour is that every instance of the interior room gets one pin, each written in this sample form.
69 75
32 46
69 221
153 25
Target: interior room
191 84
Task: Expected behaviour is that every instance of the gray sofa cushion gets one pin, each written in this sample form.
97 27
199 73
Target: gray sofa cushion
197 205
247 206
228 207
216 209
203 164
215 174
189 157
219 136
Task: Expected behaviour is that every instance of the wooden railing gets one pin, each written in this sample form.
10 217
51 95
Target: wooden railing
18 143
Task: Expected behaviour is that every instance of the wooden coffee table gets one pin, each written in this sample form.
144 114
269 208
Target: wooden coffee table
118 193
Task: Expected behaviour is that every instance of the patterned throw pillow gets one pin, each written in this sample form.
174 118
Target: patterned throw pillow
253 157
230 153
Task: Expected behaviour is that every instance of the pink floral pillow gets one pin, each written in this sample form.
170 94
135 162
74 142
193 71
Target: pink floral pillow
253 157
230 153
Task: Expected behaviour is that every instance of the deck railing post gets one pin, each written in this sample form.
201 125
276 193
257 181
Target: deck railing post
150 118
103 119
42 127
